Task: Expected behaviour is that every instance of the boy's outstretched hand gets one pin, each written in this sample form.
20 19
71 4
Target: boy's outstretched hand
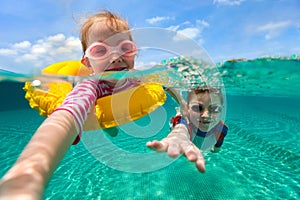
178 142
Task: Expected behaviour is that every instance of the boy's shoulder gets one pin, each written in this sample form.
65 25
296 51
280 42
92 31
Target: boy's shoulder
222 127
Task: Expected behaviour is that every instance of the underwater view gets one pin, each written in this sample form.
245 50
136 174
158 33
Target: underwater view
185 100
259 159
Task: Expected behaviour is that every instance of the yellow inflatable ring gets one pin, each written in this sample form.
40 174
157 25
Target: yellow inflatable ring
112 110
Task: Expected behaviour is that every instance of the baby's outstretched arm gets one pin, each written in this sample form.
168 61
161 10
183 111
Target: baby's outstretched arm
28 177
178 142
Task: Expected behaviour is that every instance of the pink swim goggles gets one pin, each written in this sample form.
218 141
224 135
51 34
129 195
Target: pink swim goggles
99 50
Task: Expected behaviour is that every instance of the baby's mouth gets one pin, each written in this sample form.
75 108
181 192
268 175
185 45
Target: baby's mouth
116 69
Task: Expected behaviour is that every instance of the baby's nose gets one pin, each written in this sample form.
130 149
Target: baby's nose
115 57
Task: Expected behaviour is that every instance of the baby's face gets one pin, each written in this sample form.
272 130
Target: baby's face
114 60
205 110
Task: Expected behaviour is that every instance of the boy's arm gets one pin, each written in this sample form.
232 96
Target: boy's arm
178 142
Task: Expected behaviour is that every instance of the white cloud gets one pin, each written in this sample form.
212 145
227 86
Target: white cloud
274 26
42 52
202 24
22 45
157 19
188 32
192 31
38 49
173 28
7 52
27 57
273 29
228 2
56 38
72 42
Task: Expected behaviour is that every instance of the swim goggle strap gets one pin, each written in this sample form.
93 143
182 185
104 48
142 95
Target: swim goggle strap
99 50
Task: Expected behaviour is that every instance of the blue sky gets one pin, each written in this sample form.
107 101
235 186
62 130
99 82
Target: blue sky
37 33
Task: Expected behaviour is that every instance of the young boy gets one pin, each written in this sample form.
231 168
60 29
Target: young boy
204 108
201 118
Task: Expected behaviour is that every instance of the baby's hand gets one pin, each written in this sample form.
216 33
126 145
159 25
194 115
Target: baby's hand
178 142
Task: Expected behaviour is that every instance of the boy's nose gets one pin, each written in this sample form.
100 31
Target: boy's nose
205 113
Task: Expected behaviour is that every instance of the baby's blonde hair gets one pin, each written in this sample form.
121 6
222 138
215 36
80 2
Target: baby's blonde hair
113 22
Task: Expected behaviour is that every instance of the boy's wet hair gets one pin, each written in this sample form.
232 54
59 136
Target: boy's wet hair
204 89
113 22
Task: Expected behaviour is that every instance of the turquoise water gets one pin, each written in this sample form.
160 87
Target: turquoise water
260 157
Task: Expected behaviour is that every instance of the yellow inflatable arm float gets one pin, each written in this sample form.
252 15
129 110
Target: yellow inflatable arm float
112 110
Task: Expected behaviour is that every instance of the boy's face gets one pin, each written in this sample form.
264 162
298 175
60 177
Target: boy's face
205 110
114 61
